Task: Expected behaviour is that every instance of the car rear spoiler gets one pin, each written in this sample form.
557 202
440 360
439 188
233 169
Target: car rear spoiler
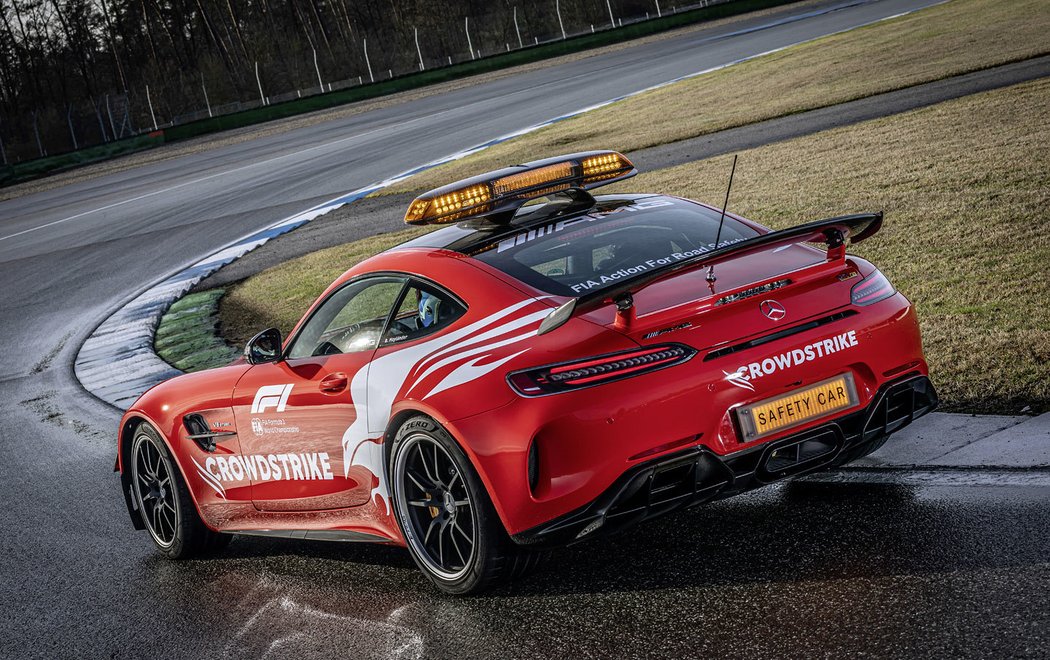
834 232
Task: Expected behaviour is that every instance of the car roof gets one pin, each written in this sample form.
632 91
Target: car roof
473 237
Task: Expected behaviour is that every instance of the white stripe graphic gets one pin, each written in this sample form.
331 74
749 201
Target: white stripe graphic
465 373
209 479
466 354
376 385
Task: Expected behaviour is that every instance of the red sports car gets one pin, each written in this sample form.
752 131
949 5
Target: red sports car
547 367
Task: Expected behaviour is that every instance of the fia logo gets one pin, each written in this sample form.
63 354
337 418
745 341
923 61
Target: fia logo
271 396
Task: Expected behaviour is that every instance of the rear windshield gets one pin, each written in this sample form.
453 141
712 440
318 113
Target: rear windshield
588 253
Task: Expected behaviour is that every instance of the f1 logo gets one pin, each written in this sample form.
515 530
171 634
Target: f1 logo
271 396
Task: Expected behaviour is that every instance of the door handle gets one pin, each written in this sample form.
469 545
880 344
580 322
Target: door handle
334 383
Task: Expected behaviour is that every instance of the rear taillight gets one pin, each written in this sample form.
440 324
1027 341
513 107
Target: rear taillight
871 289
597 370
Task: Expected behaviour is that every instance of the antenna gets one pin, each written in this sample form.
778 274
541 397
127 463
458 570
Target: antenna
718 236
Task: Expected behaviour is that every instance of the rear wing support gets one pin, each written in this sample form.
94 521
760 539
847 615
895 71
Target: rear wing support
833 232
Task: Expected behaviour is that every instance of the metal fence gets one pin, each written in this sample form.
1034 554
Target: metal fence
60 129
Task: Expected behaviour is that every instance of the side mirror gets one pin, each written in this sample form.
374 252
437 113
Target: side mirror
264 347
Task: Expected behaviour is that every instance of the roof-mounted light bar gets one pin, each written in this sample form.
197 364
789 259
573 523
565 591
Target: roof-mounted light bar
499 194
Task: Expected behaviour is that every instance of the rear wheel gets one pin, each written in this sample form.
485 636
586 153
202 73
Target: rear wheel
164 501
449 524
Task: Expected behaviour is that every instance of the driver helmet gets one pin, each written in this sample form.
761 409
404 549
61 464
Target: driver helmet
428 309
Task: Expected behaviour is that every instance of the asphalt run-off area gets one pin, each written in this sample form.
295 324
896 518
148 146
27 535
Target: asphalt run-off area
937 544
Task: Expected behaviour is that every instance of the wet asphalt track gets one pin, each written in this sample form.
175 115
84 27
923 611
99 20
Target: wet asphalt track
954 570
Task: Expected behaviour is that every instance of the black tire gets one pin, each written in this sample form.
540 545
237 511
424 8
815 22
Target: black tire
164 501
454 505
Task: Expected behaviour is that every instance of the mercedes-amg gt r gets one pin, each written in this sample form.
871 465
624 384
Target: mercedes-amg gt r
546 367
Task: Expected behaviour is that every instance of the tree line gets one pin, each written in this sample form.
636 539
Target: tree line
76 72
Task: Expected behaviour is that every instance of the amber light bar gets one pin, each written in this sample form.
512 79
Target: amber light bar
450 206
532 179
500 193
605 166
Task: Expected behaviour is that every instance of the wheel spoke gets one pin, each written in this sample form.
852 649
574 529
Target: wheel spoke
441 548
437 465
459 529
433 524
415 480
463 503
143 460
421 503
426 468
170 519
453 480
154 463
455 546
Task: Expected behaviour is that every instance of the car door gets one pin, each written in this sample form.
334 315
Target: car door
295 412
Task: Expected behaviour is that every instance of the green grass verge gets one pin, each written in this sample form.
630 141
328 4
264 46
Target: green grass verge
931 44
32 169
39 167
187 336
278 296
965 185
966 190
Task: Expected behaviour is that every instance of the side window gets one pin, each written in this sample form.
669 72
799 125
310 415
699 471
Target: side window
351 320
422 311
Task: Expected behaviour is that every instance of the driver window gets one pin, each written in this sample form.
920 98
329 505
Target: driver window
423 310
351 320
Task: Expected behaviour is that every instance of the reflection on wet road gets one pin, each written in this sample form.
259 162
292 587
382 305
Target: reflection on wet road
797 570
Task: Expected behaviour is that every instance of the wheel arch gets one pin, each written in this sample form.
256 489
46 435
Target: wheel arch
130 423
401 414
128 426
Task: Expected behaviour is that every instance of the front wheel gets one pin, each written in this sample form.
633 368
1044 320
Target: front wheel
164 501
449 524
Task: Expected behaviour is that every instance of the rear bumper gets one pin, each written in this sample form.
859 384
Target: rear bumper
699 475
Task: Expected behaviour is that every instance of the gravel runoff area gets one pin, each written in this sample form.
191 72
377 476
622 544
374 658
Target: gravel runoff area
236 136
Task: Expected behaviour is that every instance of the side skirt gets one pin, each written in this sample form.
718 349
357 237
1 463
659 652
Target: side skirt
346 536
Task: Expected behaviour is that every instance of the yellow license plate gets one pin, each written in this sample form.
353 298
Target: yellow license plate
783 412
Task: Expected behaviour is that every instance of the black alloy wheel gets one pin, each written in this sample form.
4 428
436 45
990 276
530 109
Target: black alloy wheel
446 517
164 501
155 491
434 500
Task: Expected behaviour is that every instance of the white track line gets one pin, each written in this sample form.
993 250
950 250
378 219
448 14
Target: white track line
116 362
326 145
